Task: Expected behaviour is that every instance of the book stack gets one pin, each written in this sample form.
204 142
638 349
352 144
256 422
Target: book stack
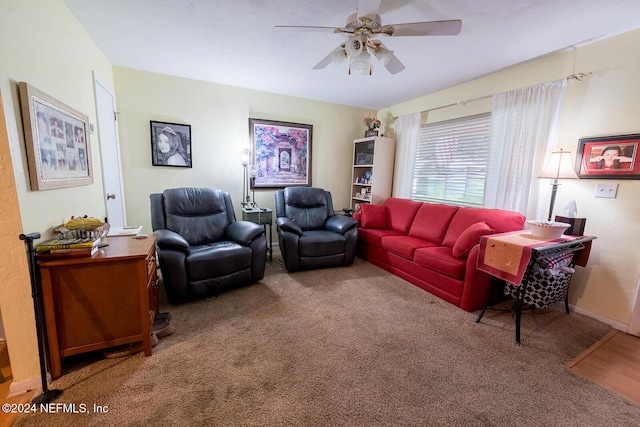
69 247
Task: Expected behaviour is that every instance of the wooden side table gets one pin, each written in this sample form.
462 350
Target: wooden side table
106 300
264 217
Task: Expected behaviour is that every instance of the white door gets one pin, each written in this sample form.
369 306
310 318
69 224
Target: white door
110 152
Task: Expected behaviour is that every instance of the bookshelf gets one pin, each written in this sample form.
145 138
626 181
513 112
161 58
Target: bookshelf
372 171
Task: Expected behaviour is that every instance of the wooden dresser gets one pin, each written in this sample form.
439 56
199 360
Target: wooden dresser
106 300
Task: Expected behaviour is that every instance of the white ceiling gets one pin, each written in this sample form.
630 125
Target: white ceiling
233 42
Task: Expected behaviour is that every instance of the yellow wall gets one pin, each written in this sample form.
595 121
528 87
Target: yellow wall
219 119
16 303
605 103
43 44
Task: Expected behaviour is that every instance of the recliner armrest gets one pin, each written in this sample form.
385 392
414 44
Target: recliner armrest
340 224
168 239
244 232
285 224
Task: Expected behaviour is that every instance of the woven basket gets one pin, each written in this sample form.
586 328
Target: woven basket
89 234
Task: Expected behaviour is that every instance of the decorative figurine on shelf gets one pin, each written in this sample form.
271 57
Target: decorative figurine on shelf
372 125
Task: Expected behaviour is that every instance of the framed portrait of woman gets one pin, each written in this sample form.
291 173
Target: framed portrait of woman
171 144
610 157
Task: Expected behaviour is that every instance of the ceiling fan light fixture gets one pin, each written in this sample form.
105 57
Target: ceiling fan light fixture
383 54
338 56
353 47
361 30
361 63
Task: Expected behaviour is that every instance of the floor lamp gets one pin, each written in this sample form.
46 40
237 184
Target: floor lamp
36 292
246 199
558 166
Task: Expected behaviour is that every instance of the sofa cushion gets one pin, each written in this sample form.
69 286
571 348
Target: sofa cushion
197 214
404 246
373 236
469 238
431 222
318 243
400 213
440 259
307 206
373 216
500 220
217 259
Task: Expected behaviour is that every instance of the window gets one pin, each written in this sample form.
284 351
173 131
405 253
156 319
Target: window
451 161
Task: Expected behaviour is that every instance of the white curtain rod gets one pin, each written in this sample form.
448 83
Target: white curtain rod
576 76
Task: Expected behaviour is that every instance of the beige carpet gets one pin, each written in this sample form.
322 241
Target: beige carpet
352 346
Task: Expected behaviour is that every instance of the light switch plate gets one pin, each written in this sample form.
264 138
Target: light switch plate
608 191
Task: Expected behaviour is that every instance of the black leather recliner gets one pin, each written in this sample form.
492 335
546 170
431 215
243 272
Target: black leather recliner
201 247
309 234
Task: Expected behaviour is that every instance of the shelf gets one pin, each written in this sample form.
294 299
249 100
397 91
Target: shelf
372 170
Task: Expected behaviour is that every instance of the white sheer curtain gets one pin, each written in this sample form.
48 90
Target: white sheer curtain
407 130
524 130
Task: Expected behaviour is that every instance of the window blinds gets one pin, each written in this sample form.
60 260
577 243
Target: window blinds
451 161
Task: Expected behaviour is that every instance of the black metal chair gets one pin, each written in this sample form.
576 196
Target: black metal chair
202 249
309 234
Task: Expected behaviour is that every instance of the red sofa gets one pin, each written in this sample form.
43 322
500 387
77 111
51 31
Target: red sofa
433 246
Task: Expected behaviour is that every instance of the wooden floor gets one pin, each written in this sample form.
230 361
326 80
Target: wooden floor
614 363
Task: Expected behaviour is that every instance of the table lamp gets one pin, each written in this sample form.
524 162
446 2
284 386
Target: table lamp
558 166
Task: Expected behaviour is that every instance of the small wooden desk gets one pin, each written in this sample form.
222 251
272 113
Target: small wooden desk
523 252
106 300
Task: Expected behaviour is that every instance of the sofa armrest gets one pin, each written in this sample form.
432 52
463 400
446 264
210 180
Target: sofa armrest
244 232
168 239
357 216
477 283
285 224
340 224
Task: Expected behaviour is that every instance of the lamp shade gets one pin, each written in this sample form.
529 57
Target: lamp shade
361 62
353 47
338 55
559 166
244 157
384 55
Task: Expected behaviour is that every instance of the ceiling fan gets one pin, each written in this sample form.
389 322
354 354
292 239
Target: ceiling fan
361 30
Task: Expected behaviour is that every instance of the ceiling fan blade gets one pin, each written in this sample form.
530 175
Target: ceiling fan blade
336 56
368 7
307 29
386 56
394 65
430 28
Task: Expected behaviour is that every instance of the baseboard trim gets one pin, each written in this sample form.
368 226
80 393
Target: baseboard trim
17 388
613 323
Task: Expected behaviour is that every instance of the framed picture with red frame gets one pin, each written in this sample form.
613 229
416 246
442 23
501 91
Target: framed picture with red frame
609 157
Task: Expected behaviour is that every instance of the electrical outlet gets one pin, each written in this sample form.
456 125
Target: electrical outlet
608 191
